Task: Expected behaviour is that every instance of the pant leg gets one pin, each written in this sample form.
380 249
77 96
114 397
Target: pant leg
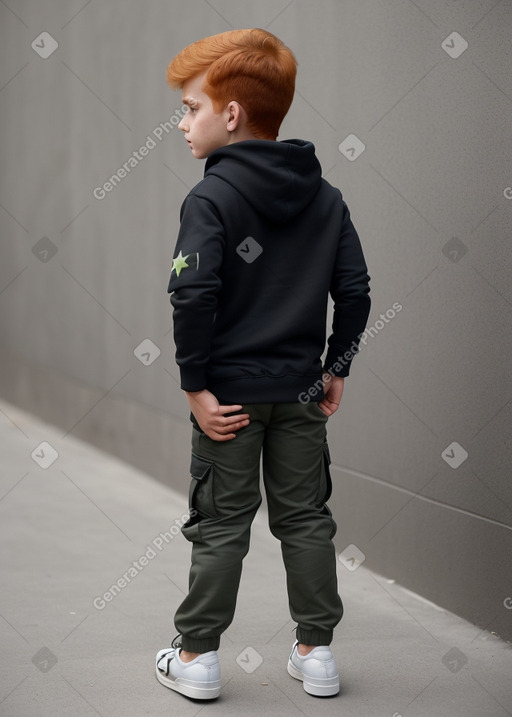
297 483
224 498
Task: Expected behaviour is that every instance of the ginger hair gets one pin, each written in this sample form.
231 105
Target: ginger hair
252 67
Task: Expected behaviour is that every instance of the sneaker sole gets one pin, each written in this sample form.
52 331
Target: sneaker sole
195 690
316 686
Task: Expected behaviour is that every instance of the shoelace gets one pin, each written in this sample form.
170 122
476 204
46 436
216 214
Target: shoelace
169 656
176 642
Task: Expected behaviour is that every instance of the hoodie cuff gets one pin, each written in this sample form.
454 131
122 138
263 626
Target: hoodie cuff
338 362
192 378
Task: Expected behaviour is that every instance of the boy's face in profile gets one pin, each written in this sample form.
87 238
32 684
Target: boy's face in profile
204 129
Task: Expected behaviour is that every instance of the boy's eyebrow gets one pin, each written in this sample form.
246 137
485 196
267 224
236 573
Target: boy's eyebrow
190 101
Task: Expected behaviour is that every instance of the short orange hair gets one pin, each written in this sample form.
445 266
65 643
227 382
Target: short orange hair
252 67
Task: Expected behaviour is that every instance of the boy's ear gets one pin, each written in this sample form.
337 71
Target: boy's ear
236 116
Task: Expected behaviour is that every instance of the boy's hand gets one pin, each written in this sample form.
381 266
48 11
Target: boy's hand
210 416
333 391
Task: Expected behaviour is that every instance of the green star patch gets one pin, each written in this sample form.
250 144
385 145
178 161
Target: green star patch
180 263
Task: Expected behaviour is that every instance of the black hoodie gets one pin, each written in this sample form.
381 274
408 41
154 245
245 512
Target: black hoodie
263 242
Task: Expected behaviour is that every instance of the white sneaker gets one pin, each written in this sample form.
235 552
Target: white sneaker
317 671
199 679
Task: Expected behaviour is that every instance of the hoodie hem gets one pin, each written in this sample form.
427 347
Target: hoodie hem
269 389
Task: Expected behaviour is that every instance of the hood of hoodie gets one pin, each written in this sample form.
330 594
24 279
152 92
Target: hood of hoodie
277 178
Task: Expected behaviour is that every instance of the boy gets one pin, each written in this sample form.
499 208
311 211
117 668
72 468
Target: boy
263 241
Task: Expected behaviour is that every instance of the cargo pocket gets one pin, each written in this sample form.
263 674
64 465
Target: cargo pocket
325 488
201 500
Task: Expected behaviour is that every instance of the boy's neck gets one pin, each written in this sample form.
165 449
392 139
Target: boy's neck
242 134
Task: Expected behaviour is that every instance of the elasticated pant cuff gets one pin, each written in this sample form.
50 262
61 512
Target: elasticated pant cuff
314 637
201 644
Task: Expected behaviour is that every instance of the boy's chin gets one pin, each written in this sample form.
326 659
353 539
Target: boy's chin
204 153
198 154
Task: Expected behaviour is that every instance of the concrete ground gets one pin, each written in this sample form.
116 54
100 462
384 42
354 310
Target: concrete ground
73 645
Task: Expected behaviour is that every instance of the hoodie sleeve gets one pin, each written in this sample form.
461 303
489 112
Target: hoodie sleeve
194 286
350 292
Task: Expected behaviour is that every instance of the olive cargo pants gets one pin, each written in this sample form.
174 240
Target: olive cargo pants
224 498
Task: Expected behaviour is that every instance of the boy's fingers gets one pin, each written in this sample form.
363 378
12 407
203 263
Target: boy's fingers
241 418
223 429
230 409
232 428
221 437
323 408
328 407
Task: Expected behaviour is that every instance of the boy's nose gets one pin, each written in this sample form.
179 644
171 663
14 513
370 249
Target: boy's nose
182 125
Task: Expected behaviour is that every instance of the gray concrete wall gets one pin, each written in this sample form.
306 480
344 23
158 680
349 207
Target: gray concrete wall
421 448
